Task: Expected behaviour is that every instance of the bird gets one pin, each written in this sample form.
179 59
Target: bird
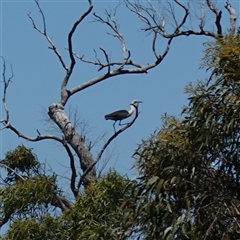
122 114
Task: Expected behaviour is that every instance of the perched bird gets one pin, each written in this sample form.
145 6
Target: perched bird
122 114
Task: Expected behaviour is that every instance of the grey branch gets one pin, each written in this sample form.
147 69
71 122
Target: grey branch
156 22
44 32
218 15
64 92
233 17
6 84
73 169
12 170
112 23
61 202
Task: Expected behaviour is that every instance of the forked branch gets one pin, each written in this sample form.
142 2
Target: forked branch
5 84
44 33
156 22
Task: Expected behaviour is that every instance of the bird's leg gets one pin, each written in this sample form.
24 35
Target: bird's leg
114 126
122 124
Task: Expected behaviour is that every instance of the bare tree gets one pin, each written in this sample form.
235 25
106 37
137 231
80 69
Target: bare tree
161 20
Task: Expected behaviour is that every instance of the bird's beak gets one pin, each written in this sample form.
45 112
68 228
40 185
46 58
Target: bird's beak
140 102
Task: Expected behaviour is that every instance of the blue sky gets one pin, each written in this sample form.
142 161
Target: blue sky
38 75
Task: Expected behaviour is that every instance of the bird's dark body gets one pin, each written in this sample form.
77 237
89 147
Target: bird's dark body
117 115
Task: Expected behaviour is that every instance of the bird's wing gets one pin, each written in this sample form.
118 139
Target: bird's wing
117 115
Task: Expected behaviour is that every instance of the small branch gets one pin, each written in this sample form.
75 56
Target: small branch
155 22
33 139
70 45
233 17
154 45
201 25
235 208
112 23
61 202
5 166
218 16
44 32
209 229
70 35
107 59
104 148
73 168
64 93
6 84
184 19
109 64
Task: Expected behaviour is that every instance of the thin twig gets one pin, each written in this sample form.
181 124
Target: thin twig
44 32
5 166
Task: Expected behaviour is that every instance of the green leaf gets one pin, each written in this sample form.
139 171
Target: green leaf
152 180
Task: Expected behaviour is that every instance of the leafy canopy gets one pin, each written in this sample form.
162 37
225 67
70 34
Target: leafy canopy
189 185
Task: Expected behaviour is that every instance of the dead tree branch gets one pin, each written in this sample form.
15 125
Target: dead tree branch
233 17
64 92
6 121
6 84
44 32
218 15
12 170
112 23
156 22
73 169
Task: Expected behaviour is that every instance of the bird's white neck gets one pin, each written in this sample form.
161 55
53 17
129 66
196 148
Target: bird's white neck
132 109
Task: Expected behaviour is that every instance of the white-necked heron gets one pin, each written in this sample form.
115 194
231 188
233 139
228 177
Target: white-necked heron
122 114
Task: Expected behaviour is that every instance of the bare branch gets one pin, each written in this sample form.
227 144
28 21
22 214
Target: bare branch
107 59
155 22
184 19
44 32
209 229
104 148
61 202
73 168
103 65
33 139
233 17
218 16
201 25
6 84
112 23
6 121
5 166
70 35
64 92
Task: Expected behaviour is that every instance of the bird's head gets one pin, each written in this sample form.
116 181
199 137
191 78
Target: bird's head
135 103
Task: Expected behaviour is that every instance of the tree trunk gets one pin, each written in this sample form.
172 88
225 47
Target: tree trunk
57 114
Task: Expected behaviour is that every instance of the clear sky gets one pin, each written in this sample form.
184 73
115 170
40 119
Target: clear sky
38 75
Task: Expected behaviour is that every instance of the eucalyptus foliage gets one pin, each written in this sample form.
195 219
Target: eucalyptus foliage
189 184
29 196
